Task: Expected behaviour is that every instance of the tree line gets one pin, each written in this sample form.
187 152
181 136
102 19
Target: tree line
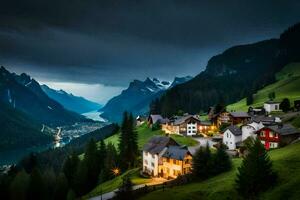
78 175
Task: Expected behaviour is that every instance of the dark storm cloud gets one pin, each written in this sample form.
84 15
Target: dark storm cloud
114 41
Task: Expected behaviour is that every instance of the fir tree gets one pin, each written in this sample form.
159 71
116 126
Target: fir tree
128 146
222 162
285 105
61 187
93 163
36 188
70 167
19 186
255 174
202 163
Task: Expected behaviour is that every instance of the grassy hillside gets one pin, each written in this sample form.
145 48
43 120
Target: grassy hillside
145 133
287 85
286 162
113 184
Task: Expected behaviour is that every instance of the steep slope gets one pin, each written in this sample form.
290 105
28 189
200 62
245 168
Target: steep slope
286 86
227 78
137 97
69 101
25 94
286 162
236 73
19 131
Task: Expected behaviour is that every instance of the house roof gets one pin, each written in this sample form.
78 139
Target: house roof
263 119
272 102
157 143
239 114
284 129
234 130
182 119
176 152
155 118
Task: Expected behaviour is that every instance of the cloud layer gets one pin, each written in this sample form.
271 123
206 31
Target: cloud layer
111 42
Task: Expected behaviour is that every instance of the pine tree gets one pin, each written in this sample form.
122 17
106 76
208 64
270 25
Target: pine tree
111 162
128 145
222 162
61 187
93 163
285 105
133 141
36 188
202 163
255 174
19 186
70 167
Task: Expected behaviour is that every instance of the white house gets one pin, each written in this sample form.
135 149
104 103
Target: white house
232 136
249 130
153 151
271 106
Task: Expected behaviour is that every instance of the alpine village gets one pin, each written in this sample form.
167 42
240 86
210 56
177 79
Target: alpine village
230 132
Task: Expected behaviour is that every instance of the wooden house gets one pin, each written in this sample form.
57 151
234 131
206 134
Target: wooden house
275 135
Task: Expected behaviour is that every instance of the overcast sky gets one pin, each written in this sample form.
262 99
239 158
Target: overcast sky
101 45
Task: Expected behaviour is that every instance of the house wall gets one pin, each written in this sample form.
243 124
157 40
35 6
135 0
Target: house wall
269 138
230 140
271 107
150 163
170 129
171 168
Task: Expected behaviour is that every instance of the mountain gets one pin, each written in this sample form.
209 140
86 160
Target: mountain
238 72
137 97
286 86
69 101
25 94
18 130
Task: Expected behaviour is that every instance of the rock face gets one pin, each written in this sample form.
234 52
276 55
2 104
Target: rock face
137 97
23 93
71 102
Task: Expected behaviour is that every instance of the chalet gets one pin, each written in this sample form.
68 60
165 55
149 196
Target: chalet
175 161
275 135
232 118
271 106
265 120
164 157
249 130
231 136
187 125
152 119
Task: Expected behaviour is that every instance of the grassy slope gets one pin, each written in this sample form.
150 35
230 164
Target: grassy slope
145 133
116 182
286 86
286 162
